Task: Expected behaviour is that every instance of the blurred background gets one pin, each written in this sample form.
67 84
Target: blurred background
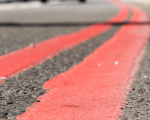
27 22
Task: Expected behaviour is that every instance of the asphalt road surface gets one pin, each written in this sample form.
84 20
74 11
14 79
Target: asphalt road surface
23 24
138 100
47 21
20 27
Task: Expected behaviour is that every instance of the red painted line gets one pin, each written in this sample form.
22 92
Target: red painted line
133 72
18 60
89 91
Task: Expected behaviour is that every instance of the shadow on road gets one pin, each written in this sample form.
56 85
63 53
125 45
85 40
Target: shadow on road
69 24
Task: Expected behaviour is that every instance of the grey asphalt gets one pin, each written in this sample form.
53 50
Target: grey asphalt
21 91
38 24
137 106
35 25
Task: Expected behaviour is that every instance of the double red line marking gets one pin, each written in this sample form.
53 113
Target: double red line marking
27 57
89 91
93 89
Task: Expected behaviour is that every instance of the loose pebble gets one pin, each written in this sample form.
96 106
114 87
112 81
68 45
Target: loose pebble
145 76
116 63
99 64
24 93
31 45
3 78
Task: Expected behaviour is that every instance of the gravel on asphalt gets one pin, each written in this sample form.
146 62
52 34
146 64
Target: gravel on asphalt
21 91
13 38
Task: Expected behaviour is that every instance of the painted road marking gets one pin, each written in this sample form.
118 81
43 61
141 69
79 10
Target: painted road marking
90 92
25 58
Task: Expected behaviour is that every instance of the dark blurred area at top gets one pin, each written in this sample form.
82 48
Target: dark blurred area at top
43 1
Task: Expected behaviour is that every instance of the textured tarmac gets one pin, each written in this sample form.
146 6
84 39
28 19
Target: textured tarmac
13 38
21 91
44 23
138 99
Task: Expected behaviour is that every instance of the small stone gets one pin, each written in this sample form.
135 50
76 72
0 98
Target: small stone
116 63
99 64
31 45
3 78
145 76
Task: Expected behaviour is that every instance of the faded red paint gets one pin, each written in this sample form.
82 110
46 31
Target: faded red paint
89 91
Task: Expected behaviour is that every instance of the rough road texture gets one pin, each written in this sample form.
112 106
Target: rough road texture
13 38
138 100
35 25
21 91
